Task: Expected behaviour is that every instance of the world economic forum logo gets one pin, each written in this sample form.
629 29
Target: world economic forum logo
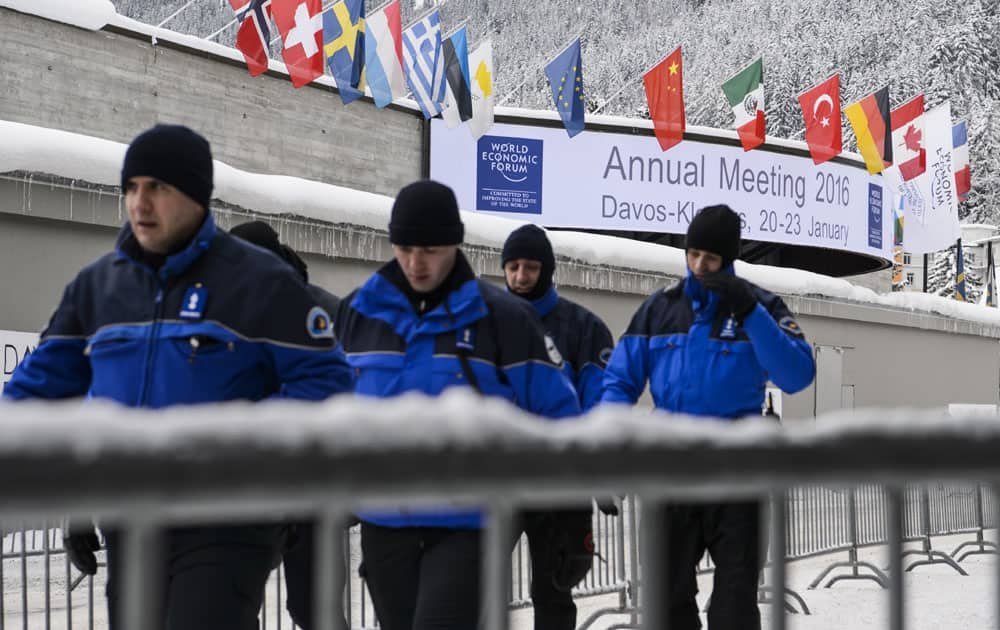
509 175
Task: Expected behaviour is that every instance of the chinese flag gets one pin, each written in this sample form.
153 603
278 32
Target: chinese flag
665 96
301 26
821 113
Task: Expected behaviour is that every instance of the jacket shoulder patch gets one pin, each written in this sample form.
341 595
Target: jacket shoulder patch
318 323
791 327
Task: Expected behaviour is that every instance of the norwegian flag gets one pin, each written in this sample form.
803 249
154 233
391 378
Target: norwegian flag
254 34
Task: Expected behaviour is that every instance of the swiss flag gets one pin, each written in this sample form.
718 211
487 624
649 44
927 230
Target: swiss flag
821 113
665 96
300 23
254 34
908 148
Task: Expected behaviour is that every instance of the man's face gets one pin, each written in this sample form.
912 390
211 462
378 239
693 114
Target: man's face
161 216
425 268
522 274
702 263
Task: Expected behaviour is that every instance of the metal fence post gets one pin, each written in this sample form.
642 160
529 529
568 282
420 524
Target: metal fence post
329 571
777 533
141 581
497 565
654 579
895 536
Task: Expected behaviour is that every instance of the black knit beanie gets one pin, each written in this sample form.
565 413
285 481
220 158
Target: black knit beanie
173 154
425 213
530 242
716 229
263 235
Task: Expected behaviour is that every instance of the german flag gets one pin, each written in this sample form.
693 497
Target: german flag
870 119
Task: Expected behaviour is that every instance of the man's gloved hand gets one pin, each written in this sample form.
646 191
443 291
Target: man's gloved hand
735 291
81 542
608 505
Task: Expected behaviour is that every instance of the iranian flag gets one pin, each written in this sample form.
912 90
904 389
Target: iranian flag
745 92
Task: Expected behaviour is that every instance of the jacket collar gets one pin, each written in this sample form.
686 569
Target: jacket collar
128 248
545 304
703 302
380 299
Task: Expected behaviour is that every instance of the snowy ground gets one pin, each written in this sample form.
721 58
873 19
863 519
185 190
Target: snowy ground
937 598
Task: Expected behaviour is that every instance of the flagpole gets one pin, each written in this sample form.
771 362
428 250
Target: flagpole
420 17
662 59
378 8
534 72
627 85
456 29
322 10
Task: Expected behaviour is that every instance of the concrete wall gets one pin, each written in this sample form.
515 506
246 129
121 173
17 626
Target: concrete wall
113 84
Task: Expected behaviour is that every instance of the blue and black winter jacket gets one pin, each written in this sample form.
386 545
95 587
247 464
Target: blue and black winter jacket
583 340
699 360
394 351
220 320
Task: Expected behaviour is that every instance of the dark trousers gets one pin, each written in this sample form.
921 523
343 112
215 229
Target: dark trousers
214 577
299 563
731 534
423 578
554 608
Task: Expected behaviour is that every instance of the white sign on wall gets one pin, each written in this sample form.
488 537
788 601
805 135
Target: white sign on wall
611 181
15 346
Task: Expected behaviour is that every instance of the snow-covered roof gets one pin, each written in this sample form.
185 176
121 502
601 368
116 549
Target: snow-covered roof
74 156
88 14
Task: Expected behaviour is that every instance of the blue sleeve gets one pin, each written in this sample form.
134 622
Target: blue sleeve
311 374
590 386
543 389
781 348
627 371
58 368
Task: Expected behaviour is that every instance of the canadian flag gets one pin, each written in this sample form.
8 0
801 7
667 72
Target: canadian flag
300 23
908 148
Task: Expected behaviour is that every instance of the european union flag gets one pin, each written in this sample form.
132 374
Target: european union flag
344 47
565 74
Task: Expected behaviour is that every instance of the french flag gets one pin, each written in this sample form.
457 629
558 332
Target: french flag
960 160
384 55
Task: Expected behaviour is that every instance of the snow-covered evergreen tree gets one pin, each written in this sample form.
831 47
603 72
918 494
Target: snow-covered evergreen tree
941 275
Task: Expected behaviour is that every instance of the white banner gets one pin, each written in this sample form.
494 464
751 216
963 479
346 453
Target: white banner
611 181
15 346
930 201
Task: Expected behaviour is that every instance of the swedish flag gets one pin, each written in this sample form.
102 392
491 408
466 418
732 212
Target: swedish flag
344 47
565 74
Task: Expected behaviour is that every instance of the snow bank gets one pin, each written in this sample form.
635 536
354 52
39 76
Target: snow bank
75 156
88 14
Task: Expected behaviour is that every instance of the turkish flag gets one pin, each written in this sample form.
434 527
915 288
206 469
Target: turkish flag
300 23
908 148
665 96
821 113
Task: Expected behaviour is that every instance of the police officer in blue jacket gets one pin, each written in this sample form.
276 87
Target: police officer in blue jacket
298 555
707 346
560 541
424 323
183 313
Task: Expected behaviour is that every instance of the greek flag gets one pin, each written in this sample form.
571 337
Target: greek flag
425 63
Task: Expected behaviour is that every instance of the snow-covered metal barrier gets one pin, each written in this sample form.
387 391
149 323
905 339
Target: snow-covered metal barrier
143 471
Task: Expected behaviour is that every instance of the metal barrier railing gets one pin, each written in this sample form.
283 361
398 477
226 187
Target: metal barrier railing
329 467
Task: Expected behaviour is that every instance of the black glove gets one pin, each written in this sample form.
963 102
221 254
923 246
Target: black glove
570 547
607 505
736 292
81 542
